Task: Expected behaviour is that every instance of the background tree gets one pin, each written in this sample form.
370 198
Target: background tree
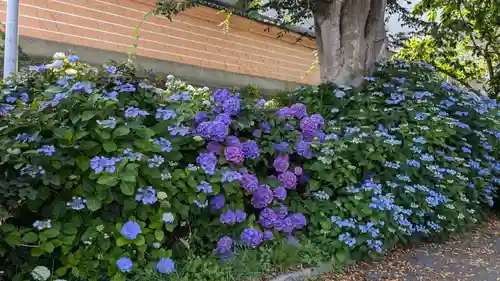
461 38
350 34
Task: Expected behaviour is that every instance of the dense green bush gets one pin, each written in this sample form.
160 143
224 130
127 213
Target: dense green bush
105 174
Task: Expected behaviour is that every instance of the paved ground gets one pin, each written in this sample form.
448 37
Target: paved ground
474 256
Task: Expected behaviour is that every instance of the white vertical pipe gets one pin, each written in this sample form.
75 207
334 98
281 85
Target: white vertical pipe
11 38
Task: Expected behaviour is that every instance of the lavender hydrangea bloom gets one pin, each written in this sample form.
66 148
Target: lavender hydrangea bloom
207 162
260 103
224 245
232 106
100 164
298 171
165 266
130 230
251 237
309 126
233 141
265 126
234 154
279 193
318 119
77 203
215 147
156 161
262 197
288 180
147 196
299 221
124 264
251 149
298 110
284 225
281 163
204 187
224 118
132 112
249 182
217 202
5 109
282 212
267 218
203 129
282 146
303 149
240 215
228 217
220 95
268 235
218 131
199 117
165 114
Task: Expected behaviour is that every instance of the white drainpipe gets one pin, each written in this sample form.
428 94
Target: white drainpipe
11 38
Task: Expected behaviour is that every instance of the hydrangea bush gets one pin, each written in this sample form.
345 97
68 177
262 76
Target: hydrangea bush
105 174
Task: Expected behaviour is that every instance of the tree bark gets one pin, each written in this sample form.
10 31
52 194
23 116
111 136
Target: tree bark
350 38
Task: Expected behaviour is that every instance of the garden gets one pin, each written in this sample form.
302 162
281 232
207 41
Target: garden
109 176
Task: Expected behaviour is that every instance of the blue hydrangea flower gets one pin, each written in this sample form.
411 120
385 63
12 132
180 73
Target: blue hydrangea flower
133 112
217 202
40 225
165 266
130 230
5 109
124 264
230 176
207 162
251 237
73 58
204 187
101 163
251 149
178 130
166 145
224 245
420 140
77 203
165 114
109 123
48 150
168 217
147 196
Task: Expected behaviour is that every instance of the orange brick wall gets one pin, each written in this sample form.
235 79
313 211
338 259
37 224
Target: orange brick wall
193 37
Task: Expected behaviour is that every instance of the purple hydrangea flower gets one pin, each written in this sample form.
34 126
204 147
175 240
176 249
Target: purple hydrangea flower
165 114
130 230
5 109
298 110
233 141
281 163
309 126
203 129
260 103
319 119
257 133
224 245
288 180
124 264
147 196
303 149
267 218
265 126
250 182
279 193
251 237
240 215
165 266
100 163
234 154
132 112
282 146
285 224
207 162
251 149
268 235
73 58
224 118
218 131
228 217
282 212
299 221
262 197
215 147
218 202
199 117
298 170
204 187
220 95
232 106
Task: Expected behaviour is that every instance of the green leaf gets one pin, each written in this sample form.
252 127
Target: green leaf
107 179
118 277
128 177
159 234
64 133
122 241
13 239
121 131
341 256
109 146
83 162
49 233
146 132
36 252
30 237
93 204
47 246
127 188
139 240
87 115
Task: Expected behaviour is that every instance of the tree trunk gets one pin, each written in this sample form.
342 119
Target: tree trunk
350 37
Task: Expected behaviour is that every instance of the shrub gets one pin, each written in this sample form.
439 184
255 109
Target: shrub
105 173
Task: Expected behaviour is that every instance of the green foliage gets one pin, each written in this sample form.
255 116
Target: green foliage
89 151
461 40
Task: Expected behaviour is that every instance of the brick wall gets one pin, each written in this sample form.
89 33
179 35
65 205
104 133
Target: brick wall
193 37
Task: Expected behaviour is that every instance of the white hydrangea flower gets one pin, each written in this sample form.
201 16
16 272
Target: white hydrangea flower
59 55
40 273
460 216
170 77
168 217
450 206
441 217
71 71
162 195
